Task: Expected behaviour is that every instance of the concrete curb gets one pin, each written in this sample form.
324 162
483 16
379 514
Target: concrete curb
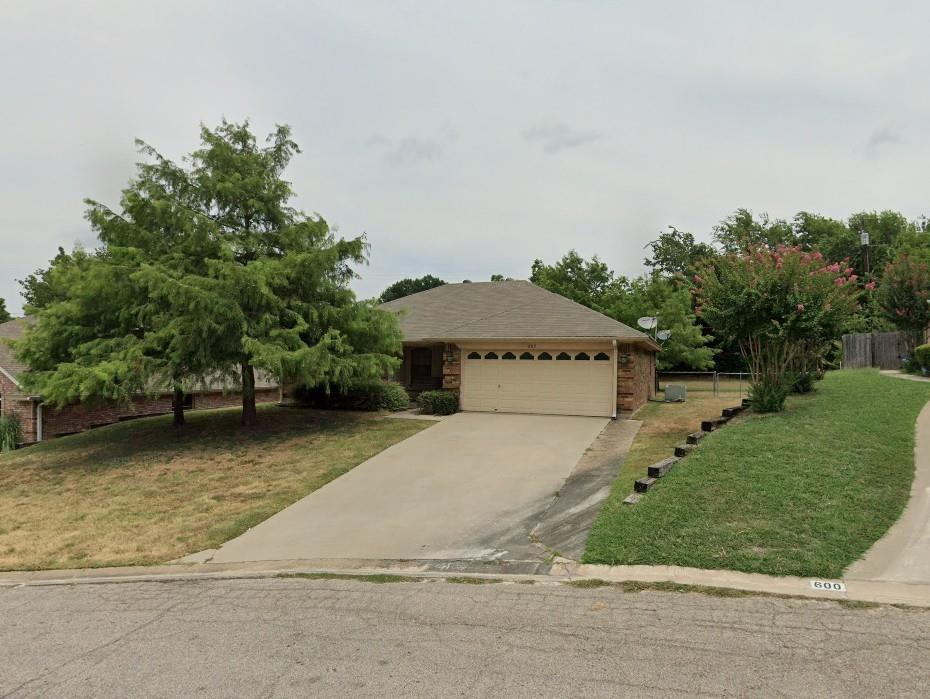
560 571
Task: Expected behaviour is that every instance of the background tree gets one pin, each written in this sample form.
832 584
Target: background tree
4 314
583 281
408 286
45 286
741 231
904 297
675 252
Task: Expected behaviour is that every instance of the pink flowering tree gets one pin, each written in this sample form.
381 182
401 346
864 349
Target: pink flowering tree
783 307
904 296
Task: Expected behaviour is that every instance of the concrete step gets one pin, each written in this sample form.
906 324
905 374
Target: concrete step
732 412
632 498
644 484
695 437
713 424
660 468
682 450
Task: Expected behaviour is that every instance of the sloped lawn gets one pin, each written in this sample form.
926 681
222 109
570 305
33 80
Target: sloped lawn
804 492
143 492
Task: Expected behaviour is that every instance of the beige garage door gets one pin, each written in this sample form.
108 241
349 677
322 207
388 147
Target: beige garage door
552 382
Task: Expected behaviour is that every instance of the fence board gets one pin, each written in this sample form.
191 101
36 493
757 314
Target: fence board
882 350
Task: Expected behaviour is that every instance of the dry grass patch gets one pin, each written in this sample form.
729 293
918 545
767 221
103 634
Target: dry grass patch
143 492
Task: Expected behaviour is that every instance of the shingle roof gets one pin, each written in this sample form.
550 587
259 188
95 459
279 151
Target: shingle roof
12 330
502 310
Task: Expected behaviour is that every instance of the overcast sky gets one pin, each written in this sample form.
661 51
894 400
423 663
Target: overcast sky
469 138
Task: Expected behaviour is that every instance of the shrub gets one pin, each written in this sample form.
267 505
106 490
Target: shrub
379 395
922 357
438 402
803 382
11 432
767 395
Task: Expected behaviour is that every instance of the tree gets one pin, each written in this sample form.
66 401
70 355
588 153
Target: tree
671 303
581 280
45 286
675 252
4 314
213 274
406 287
741 231
500 278
782 306
904 296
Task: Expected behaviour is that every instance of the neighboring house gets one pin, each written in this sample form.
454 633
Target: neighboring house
41 422
511 346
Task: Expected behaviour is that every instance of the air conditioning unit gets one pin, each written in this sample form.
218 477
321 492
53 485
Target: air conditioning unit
675 393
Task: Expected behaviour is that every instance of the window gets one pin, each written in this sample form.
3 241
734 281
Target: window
474 355
601 357
508 355
582 356
491 355
526 355
563 356
544 355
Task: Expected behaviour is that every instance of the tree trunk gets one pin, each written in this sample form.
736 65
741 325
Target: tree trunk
249 414
177 405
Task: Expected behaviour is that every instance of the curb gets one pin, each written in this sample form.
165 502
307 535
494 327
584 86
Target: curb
558 572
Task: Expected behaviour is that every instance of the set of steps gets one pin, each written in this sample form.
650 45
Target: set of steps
661 468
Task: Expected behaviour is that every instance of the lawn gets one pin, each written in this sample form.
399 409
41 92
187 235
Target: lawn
143 492
804 492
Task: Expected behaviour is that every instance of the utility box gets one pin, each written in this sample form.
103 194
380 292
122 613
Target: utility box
675 393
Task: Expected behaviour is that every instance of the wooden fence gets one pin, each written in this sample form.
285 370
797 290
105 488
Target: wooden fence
882 350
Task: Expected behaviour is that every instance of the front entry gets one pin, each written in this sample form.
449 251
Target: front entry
550 382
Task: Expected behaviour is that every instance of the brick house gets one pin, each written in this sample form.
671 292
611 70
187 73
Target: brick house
40 422
515 347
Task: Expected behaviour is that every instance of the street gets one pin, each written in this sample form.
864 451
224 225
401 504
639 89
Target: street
333 637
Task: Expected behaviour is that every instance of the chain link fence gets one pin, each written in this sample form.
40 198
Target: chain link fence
714 382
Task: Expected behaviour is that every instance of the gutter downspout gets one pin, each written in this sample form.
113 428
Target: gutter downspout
38 422
616 388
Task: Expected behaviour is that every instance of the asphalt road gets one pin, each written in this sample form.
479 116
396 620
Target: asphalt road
298 637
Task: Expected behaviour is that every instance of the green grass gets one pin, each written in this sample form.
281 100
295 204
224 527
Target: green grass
805 492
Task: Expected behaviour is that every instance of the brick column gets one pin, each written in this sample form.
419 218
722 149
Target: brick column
452 369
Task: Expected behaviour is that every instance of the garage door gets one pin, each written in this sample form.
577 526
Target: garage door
552 382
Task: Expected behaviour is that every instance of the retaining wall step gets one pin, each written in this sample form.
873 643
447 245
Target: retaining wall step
682 450
632 498
695 437
660 468
732 412
745 402
644 484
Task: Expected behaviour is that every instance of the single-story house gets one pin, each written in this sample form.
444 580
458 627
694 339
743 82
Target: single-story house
41 422
512 346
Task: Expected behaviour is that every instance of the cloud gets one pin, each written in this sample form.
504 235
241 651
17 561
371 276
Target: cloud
554 136
412 148
883 136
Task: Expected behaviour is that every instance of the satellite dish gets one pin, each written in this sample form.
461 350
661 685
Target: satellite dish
647 322
664 335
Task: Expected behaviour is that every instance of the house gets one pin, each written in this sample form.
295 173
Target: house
40 422
511 346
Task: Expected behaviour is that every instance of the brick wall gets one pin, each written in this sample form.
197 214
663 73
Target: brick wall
79 417
635 377
12 402
452 369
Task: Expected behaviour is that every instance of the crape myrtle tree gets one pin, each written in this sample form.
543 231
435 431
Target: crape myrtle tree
783 307
904 297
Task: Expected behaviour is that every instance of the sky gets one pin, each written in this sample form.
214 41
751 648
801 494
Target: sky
468 139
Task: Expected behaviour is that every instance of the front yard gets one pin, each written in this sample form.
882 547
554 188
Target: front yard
141 492
804 492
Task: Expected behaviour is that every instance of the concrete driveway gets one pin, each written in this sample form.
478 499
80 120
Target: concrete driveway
471 486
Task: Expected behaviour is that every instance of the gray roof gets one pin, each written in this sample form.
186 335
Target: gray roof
12 330
501 311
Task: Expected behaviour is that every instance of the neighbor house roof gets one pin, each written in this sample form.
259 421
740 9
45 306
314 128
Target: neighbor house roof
508 310
12 330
